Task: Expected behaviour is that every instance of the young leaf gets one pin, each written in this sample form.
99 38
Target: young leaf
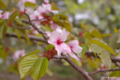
26 64
105 57
63 21
102 44
29 4
40 68
54 7
2 5
50 46
113 41
13 16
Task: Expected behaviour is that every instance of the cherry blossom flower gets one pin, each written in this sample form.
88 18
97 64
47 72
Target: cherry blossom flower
35 15
45 8
75 48
57 39
19 53
4 15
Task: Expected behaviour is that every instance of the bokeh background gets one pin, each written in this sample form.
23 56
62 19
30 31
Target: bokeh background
102 14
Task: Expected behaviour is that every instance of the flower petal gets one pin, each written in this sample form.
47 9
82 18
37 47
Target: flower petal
64 35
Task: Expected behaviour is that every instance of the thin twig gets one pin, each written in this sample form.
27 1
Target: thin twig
104 70
30 36
20 27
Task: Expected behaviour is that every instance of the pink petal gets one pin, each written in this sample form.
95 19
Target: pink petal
53 37
63 35
75 46
59 50
74 56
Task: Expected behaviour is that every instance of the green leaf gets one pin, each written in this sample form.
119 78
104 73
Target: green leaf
26 64
13 16
54 7
29 4
84 49
77 62
96 34
105 57
102 44
1 29
113 41
40 68
5 29
19 21
95 48
2 5
50 46
92 63
63 21
3 52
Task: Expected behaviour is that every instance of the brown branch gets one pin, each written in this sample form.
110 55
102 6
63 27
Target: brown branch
83 72
104 70
62 57
30 36
20 27
39 30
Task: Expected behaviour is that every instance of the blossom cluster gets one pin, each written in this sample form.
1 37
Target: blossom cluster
40 16
58 38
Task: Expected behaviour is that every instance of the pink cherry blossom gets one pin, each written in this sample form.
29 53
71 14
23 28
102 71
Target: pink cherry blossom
75 48
19 53
45 8
46 1
35 15
4 15
57 39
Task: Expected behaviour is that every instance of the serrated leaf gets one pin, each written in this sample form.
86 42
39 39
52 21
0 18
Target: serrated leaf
105 57
40 68
26 64
102 44
29 4
2 5
54 7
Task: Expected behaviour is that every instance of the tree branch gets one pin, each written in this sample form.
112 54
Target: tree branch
83 72
104 70
20 27
30 36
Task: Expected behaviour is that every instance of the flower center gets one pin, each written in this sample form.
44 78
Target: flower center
59 41
71 47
